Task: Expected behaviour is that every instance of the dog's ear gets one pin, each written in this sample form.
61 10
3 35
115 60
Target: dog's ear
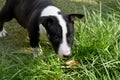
72 16
46 21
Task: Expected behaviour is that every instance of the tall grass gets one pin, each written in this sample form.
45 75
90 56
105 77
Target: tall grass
96 48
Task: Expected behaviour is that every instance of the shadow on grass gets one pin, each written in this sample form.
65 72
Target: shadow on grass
15 40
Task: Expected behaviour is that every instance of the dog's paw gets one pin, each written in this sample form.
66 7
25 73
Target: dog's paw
37 52
3 33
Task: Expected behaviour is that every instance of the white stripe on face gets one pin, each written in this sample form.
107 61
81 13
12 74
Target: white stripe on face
63 49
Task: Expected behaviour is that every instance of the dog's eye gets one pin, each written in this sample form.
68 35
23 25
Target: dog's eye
71 36
56 38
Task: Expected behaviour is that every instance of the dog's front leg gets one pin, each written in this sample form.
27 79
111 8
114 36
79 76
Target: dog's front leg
34 42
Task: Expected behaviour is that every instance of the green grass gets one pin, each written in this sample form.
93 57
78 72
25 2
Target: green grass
96 46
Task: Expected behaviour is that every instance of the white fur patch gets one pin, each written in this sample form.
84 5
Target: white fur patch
3 33
43 33
64 49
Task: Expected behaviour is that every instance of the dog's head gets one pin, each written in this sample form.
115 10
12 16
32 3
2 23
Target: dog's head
60 30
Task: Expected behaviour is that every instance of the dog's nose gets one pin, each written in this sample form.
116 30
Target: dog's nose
66 56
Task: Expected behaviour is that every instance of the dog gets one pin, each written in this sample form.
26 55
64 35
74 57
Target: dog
31 14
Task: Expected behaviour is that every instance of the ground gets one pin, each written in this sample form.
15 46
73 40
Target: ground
96 46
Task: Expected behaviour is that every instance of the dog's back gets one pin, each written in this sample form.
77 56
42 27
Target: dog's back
24 10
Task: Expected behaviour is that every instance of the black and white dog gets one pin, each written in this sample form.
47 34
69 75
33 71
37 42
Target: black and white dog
31 14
